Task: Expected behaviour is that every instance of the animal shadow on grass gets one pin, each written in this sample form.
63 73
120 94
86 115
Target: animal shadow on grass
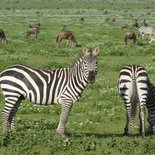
106 135
97 135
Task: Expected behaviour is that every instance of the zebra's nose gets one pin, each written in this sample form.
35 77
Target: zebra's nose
91 77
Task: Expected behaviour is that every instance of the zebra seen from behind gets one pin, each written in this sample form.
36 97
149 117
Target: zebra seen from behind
43 87
146 30
133 88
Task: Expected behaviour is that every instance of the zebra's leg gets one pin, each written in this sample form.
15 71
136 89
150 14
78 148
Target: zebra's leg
63 119
128 114
10 102
6 113
142 120
12 116
126 126
140 123
153 128
5 116
131 120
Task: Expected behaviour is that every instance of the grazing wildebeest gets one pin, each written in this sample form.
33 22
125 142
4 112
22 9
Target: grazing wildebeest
68 35
33 30
136 24
145 23
2 36
125 26
130 36
81 19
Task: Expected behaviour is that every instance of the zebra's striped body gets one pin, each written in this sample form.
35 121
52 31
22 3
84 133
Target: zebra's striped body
133 88
146 30
151 105
63 86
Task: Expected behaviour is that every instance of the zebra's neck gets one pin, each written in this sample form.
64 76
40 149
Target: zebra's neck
78 71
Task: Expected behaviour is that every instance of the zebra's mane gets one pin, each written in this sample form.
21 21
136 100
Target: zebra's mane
80 58
76 61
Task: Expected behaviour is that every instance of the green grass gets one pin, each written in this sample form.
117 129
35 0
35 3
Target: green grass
97 121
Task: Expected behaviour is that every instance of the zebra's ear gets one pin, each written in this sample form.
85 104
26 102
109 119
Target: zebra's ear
96 51
85 51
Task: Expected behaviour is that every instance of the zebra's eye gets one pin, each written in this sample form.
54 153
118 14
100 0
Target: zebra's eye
85 62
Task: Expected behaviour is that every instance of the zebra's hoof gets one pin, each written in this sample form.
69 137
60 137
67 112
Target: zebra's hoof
62 134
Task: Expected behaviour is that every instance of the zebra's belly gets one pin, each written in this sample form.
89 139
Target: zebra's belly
43 98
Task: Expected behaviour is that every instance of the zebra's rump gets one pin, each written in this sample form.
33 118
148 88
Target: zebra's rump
132 83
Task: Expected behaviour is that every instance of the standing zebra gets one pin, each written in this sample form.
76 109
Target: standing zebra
146 30
63 86
133 88
151 105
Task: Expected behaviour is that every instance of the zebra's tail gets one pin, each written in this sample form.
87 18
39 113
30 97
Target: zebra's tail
133 107
57 38
134 100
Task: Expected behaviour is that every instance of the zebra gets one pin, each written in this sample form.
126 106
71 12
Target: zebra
43 87
146 30
133 88
151 105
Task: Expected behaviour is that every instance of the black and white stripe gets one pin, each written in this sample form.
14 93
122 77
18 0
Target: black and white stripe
146 30
44 87
133 88
151 105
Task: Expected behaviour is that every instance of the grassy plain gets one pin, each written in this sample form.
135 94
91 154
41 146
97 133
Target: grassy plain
97 121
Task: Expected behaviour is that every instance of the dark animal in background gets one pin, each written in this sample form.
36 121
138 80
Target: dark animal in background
130 36
68 35
81 19
2 36
136 24
33 30
125 26
145 23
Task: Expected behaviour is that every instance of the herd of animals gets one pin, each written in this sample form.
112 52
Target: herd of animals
69 35
65 85
35 30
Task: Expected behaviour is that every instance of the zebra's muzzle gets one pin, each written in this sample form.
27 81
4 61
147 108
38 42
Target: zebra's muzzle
91 77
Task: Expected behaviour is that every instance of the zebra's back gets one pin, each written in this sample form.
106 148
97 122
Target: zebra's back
133 83
146 30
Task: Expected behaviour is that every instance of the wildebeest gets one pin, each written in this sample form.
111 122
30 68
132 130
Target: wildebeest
81 19
68 35
125 26
33 30
145 23
130 36
136 24
2 36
